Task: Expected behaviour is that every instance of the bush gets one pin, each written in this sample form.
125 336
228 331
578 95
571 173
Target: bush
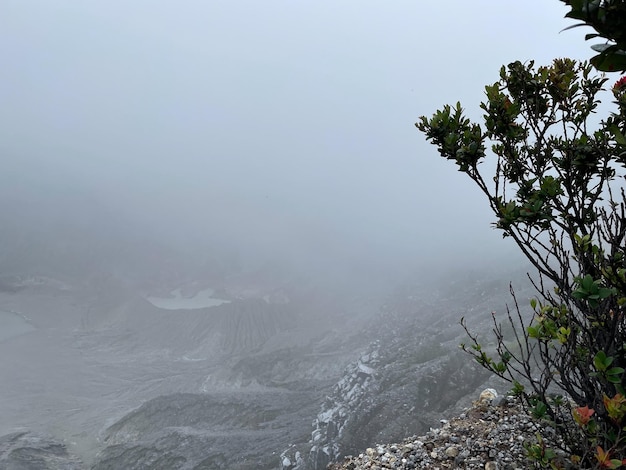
556 187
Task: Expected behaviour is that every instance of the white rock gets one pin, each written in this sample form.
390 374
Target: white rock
487 396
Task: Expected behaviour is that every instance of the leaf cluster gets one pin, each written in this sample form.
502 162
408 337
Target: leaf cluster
608 19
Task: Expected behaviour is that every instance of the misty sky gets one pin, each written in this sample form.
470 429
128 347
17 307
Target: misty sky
279 126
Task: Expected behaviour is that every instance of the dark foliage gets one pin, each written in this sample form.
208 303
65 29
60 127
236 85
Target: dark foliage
608 19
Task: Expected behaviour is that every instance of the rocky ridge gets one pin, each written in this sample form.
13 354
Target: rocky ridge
493 434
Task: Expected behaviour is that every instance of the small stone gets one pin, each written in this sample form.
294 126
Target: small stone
500 401
491 466
487 396
452 452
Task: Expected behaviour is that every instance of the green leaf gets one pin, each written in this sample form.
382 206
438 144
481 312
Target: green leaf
517 389
603 47
604 293
609 62
500 367
539 410
587 282
619 137
601 361
577 25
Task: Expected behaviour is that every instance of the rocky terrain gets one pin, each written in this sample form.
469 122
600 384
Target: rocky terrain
258 382
493 434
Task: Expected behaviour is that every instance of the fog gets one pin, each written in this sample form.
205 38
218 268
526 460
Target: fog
277 130
230 200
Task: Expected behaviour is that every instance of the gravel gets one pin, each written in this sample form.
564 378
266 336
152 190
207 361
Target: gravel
490 435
